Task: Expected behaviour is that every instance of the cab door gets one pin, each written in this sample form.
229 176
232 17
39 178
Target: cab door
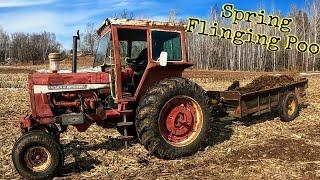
130 45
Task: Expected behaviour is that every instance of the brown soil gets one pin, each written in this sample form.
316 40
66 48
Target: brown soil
263 82
260 147
14 70
283 149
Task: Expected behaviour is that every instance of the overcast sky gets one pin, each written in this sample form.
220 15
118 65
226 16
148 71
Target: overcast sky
64 17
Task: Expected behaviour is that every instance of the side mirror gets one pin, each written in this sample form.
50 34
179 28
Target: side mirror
163 58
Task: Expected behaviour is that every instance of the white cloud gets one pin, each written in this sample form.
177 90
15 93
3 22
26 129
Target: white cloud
63 24
21 3
29 22
63 18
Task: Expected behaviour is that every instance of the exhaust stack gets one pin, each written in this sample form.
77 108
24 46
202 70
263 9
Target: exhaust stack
75 51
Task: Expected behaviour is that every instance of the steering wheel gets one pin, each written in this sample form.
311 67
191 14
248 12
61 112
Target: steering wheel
130 62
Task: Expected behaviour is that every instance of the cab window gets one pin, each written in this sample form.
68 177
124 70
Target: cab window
102 50
169 42
132 42
137 47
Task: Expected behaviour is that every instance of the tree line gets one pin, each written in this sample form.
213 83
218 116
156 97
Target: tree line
89 38
205 52
216 53
23 47
220 54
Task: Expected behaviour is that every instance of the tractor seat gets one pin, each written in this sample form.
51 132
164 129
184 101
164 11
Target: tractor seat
140 63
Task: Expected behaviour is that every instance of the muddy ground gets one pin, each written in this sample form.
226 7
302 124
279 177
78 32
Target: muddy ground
259 147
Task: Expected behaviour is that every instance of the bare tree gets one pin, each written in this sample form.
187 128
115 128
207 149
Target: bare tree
4 45
24 47
89 42
216 53
172 15
124 14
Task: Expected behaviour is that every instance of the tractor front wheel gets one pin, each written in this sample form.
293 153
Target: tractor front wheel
37 155
173 118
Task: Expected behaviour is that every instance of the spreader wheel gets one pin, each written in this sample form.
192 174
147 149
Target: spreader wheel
289 107
36 155
173 118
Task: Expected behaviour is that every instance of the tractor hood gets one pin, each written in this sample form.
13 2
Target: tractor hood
58 82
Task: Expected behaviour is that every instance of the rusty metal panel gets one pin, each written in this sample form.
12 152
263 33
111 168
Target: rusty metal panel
72 118
114 21
230 95
110 22
262 107
262 100
155 73
42 106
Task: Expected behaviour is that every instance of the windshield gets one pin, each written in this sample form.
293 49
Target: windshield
102 50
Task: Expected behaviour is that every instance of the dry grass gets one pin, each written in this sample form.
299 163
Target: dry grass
253 148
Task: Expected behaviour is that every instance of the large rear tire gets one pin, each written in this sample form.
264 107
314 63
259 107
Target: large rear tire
173 118
37 155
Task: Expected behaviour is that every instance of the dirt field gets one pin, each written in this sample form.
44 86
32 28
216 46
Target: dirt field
254 148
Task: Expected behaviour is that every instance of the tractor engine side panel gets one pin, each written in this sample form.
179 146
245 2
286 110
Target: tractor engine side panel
39 102
43 85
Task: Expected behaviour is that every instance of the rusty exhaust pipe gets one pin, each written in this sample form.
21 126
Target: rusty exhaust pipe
74 52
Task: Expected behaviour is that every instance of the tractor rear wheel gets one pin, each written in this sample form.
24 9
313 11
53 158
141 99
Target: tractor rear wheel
37 155
173 118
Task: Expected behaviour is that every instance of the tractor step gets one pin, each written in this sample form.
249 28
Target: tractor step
126 112
124 138
124 123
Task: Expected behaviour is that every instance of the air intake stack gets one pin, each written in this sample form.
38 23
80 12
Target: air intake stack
54 59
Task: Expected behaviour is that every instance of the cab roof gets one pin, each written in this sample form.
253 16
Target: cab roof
141 22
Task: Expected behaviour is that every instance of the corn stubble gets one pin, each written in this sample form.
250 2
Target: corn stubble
256 147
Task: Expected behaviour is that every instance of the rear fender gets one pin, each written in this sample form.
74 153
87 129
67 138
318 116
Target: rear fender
155 73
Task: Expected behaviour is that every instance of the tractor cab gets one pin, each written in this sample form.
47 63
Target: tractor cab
138 53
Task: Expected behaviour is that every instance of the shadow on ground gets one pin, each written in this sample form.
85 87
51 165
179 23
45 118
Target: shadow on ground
222 127
78 150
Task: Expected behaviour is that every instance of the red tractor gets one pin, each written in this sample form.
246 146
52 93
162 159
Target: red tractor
139 90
